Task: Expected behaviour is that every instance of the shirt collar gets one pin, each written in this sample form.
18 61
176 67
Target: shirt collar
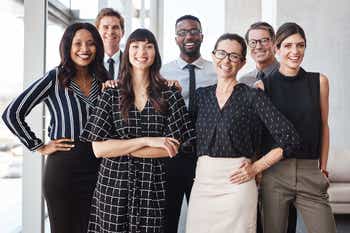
199 63
268 70
115 57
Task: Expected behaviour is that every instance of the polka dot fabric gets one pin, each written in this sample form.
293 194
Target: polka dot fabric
235 130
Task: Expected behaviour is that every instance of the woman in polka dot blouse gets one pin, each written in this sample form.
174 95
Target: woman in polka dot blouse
229 120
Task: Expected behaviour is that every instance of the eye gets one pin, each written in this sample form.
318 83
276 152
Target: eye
149 46
301 45
91 43
116 27
288 46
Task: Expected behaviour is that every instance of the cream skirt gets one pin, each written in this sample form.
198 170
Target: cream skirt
216 205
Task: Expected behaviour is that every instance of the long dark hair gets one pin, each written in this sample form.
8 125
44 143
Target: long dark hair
156 82
66 68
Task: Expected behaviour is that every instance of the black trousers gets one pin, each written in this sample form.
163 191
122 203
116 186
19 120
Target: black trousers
180 175
68 184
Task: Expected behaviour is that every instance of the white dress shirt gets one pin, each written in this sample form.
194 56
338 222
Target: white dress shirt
116 58
176 70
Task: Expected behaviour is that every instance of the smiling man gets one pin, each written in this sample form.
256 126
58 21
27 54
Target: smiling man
110 25
260 39
191 71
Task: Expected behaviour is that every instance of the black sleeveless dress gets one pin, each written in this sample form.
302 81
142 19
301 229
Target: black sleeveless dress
298 98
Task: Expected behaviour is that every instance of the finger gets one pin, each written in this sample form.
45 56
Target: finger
62 149
236 172
173 146
63 140
168 151
63 145
236 180
173 140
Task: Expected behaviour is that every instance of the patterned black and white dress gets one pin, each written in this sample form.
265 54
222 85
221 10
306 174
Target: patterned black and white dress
130 192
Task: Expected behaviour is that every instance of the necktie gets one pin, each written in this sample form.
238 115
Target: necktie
260 75
192 87
110 62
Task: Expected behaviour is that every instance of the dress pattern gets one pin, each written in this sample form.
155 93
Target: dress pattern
130 192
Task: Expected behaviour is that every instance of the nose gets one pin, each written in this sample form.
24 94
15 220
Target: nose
258 45
294 49
85 47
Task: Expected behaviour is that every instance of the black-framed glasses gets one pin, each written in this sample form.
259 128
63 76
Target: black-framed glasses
263 41
233 57
192 32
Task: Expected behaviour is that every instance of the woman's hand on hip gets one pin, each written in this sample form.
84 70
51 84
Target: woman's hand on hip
244 173
171 145
63 144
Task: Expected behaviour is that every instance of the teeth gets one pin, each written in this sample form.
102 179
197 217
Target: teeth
84 56
226 68
141 59
189 44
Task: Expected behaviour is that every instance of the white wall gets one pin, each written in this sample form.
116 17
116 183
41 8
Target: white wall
327 28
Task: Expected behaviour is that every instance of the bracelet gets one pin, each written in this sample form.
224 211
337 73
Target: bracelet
325 172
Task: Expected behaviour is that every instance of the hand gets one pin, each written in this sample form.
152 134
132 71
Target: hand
171 145
109 83
244 173
56 145
258 178
259 85
174 83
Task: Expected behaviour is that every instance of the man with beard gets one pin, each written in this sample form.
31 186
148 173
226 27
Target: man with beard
191 71
110 25
260 38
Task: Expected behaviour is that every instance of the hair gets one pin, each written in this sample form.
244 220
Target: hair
286 30
156 82
235 37
188 17
66 68
261 26
109 12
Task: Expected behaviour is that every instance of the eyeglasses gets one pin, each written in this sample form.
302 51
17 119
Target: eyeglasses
233 57
192 32
253 43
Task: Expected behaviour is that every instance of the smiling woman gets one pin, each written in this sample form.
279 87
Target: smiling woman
69 91
134 128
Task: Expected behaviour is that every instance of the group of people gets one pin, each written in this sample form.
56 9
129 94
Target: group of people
129 138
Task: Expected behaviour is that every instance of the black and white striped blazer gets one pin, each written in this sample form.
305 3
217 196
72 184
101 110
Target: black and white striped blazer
69 109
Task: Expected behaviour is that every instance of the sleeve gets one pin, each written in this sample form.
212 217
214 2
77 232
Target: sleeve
179 124
280 128
100 124
16 112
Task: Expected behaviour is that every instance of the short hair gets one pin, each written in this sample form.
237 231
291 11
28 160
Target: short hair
109 12
286 30
235 37
188 17
261 26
